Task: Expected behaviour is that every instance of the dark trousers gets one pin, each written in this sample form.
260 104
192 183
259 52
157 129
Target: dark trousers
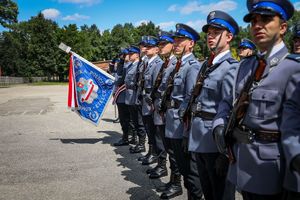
213 185
125 122
291 195
168 147
188 168
137 121
159 135
150 129
252 196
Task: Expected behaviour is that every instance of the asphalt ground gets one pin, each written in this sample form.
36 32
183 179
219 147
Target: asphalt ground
48 152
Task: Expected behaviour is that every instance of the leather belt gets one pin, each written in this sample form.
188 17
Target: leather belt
172 104
204 115
196 107
247 136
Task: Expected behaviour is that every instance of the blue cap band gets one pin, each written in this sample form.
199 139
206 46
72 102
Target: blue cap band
166 38
184 33
274 7
124 51
133 50
246 44
224 23
151 42
298 33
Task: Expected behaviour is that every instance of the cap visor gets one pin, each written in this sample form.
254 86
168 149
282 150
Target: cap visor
205 27
248 17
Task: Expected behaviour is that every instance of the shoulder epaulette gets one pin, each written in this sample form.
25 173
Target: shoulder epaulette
157 61
295 57
191 62
231 60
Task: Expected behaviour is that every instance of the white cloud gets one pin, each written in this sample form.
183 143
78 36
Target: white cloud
81 2
51 13
172 8
191 7
144 21
297 6
75 17
197 25
167 25
195 6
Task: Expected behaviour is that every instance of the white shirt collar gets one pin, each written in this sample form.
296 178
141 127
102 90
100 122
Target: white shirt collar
151 59
144 58
185 56
219 56
135 62
171 56
275 49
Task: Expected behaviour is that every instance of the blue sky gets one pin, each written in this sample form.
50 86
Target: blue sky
107 13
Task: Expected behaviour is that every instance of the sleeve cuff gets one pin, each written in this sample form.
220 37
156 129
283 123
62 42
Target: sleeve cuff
218 122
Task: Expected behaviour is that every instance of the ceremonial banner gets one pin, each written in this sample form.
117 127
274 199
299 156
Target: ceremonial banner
90 89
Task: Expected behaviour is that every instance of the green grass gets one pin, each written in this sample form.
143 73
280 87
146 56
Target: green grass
47 83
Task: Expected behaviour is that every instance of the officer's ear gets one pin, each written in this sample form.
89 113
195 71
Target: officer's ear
191 43
283 27
229 36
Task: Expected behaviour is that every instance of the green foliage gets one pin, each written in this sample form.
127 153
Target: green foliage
8 12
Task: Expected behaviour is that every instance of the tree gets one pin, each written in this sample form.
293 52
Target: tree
8 12
42 46
288 36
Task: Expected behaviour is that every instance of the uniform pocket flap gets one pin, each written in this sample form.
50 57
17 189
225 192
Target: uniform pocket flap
265 95
147 77
211 85
268 152
178 81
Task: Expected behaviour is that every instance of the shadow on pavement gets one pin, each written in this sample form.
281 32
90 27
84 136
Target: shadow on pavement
77 140
133 170
111 120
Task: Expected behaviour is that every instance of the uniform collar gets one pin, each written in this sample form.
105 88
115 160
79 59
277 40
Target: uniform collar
219 56
275 49
151 59
126 64
185 56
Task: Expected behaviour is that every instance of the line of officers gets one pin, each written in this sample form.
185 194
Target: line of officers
183 106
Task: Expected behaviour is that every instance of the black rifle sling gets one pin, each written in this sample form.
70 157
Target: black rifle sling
203 74
159 78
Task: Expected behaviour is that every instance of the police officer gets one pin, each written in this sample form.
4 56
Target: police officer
119 97
246 48
173 187
140 146
184 41
296 38
130 83
290 129
217 84
165 44
258 166
150 74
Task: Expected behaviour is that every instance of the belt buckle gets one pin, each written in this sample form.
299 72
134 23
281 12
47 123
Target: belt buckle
172 103
198 107
251 136
192 114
